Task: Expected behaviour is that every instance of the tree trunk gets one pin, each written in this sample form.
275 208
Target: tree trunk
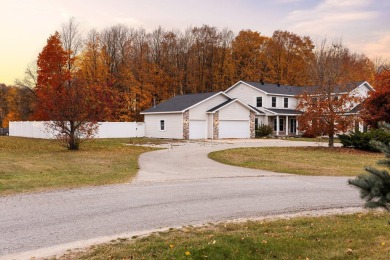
72 141
331 139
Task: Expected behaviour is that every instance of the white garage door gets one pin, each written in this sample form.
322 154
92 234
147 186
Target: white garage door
234 129
198 129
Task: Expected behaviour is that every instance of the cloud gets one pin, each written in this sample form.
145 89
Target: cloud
378 47
331 16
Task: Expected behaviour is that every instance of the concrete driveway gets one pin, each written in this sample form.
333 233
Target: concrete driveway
189 161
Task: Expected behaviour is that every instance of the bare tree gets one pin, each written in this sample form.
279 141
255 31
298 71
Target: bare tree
72 41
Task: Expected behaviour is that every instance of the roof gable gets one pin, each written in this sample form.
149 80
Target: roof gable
179 104
229 102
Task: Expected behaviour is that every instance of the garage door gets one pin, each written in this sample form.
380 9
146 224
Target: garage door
234 129
198 129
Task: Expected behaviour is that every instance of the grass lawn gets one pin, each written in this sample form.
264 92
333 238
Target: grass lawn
359 236
300 160
306 139
37 164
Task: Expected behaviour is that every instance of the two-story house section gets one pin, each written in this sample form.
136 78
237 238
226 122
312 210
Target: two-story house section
277 102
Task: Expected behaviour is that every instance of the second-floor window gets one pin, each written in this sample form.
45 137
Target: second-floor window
273 101
285 102
259 102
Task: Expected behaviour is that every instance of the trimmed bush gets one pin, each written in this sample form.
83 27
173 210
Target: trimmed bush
263 130
361 140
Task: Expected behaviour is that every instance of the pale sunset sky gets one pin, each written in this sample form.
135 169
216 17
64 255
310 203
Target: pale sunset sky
25 25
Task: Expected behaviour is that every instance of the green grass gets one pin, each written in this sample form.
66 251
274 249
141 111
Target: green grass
359 236
300 160
36 164
307 139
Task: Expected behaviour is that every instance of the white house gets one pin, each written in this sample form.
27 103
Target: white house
233 113
200 116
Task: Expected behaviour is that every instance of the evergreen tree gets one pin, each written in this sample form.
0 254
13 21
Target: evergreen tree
375 186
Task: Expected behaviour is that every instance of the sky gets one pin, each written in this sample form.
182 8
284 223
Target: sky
25 25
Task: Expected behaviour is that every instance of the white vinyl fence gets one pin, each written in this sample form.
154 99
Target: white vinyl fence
38 129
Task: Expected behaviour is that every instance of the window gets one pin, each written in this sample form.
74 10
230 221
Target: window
259 102
256 123
285 102
293 125
162 125
281 124
273 101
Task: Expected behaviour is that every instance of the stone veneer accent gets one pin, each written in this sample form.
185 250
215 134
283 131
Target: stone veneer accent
252 124
186 124
216 125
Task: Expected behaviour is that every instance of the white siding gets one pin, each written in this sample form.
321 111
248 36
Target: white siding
263 120
210 126
199 112
247 94
234 111
292 103
361 91
173 126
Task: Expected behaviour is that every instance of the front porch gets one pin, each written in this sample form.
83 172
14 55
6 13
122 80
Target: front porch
284 125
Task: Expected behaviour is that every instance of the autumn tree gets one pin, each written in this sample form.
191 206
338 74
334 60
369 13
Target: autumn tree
14 104
377 106
71 106
3 103
326 105
287 56
248 55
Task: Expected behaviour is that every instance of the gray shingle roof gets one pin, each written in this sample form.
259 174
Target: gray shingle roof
285 111
258 111
334 90
356 109
294 90
276 89
179 103
220 105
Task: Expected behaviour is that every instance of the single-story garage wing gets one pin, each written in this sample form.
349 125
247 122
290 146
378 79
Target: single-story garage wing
200 116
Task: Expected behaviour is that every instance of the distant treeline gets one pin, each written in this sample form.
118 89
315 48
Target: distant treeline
141 66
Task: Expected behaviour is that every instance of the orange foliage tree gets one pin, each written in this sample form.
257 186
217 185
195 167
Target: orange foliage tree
377 106
326 106
68 102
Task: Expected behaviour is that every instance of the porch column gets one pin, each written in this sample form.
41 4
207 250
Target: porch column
286 125
296 126
277 125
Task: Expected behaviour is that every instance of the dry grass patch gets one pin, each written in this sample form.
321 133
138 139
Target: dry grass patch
36 164
300 160
359 236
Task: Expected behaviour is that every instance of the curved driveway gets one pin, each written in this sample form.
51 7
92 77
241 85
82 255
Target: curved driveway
177 186
189 161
